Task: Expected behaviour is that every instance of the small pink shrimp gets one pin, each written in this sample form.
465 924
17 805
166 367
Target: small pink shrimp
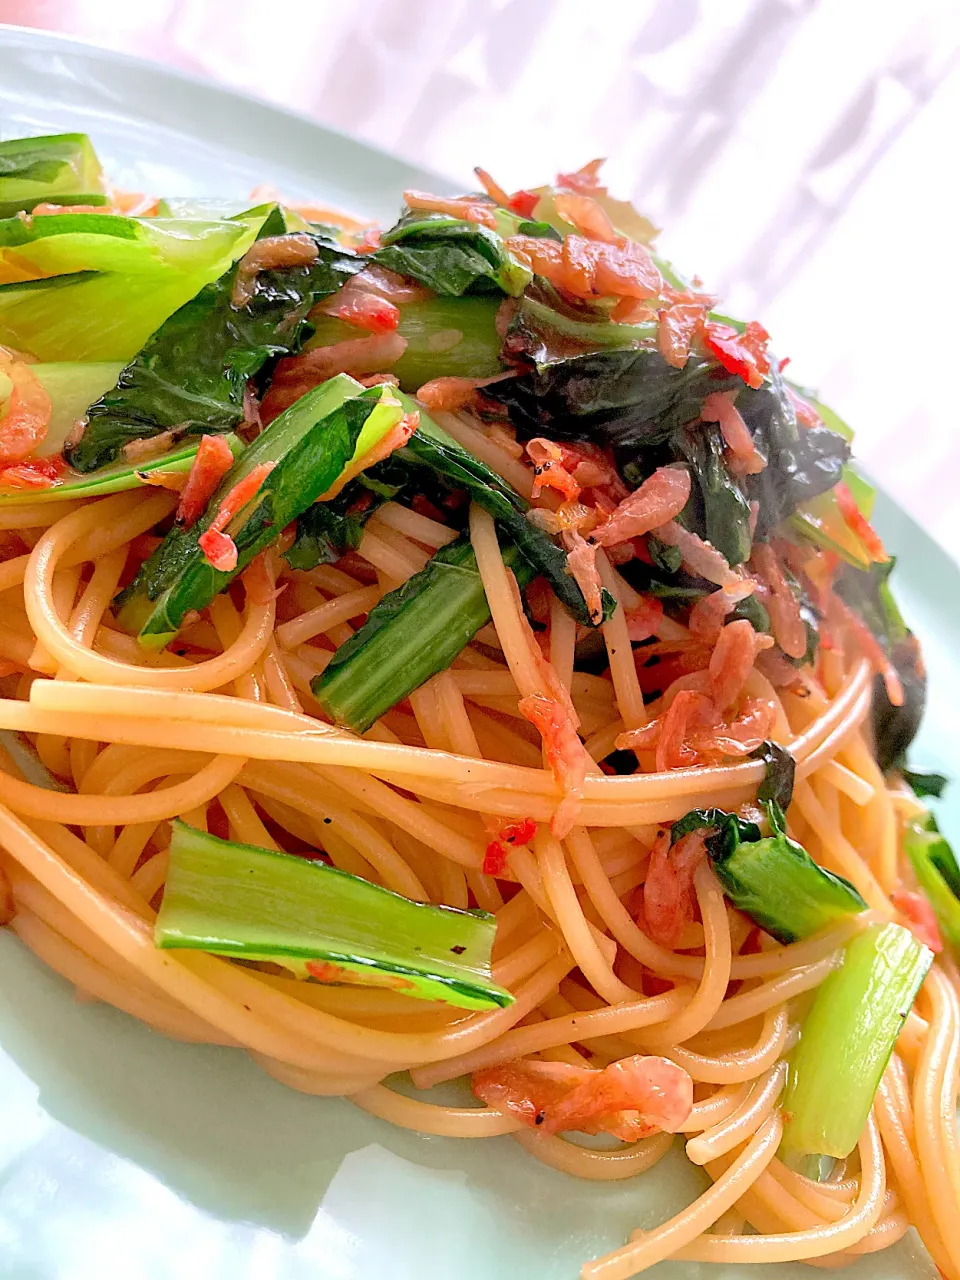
629 1099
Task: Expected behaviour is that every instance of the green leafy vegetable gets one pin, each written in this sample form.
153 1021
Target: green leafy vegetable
90 198
938 874
446 338
802 462
726 511
110 315
925 784
772 878
49 168
65 243
847 1038
630 399
546 326
868 595
413 633
777 785
317 921
327 530
432 448
450 256
310 444
72 388
192 374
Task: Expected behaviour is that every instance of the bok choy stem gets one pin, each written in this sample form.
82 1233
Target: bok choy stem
258 904
413 633
309 445
847 1040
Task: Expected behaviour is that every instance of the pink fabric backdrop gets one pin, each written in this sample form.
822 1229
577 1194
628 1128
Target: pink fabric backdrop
800 155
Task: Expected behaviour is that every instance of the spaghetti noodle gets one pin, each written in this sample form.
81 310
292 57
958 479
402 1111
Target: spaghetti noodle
415 803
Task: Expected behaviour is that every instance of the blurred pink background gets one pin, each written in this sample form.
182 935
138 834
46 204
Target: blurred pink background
801 156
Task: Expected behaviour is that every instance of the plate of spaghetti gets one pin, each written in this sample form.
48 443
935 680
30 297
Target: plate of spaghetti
452 687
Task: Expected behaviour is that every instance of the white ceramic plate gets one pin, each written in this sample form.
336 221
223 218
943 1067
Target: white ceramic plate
126 1155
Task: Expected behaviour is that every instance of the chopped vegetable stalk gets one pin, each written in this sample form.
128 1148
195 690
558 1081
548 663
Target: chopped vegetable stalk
772 878
117 478
72 388
92 315
41 169
413 633
257 904
65 243
431 447
938 873
445 337
847 1039
89 199
309 445
192 374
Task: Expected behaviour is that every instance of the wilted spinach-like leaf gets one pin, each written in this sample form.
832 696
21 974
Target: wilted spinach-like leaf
192 373
547 326
726 511
630 399
777 785
925 784
868 594
802 462
450 256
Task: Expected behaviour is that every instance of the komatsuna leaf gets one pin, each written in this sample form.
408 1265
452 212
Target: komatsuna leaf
191 376
630 399
451 256
869 595
327 530
309 445
432 448
925 784
802 462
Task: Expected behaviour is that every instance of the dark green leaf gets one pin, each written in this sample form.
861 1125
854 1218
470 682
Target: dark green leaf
450 256
777 785
327 530
414 632
310 445
868 594
725 508
925 784
631 399
433 449
727 824
191 376
802 462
